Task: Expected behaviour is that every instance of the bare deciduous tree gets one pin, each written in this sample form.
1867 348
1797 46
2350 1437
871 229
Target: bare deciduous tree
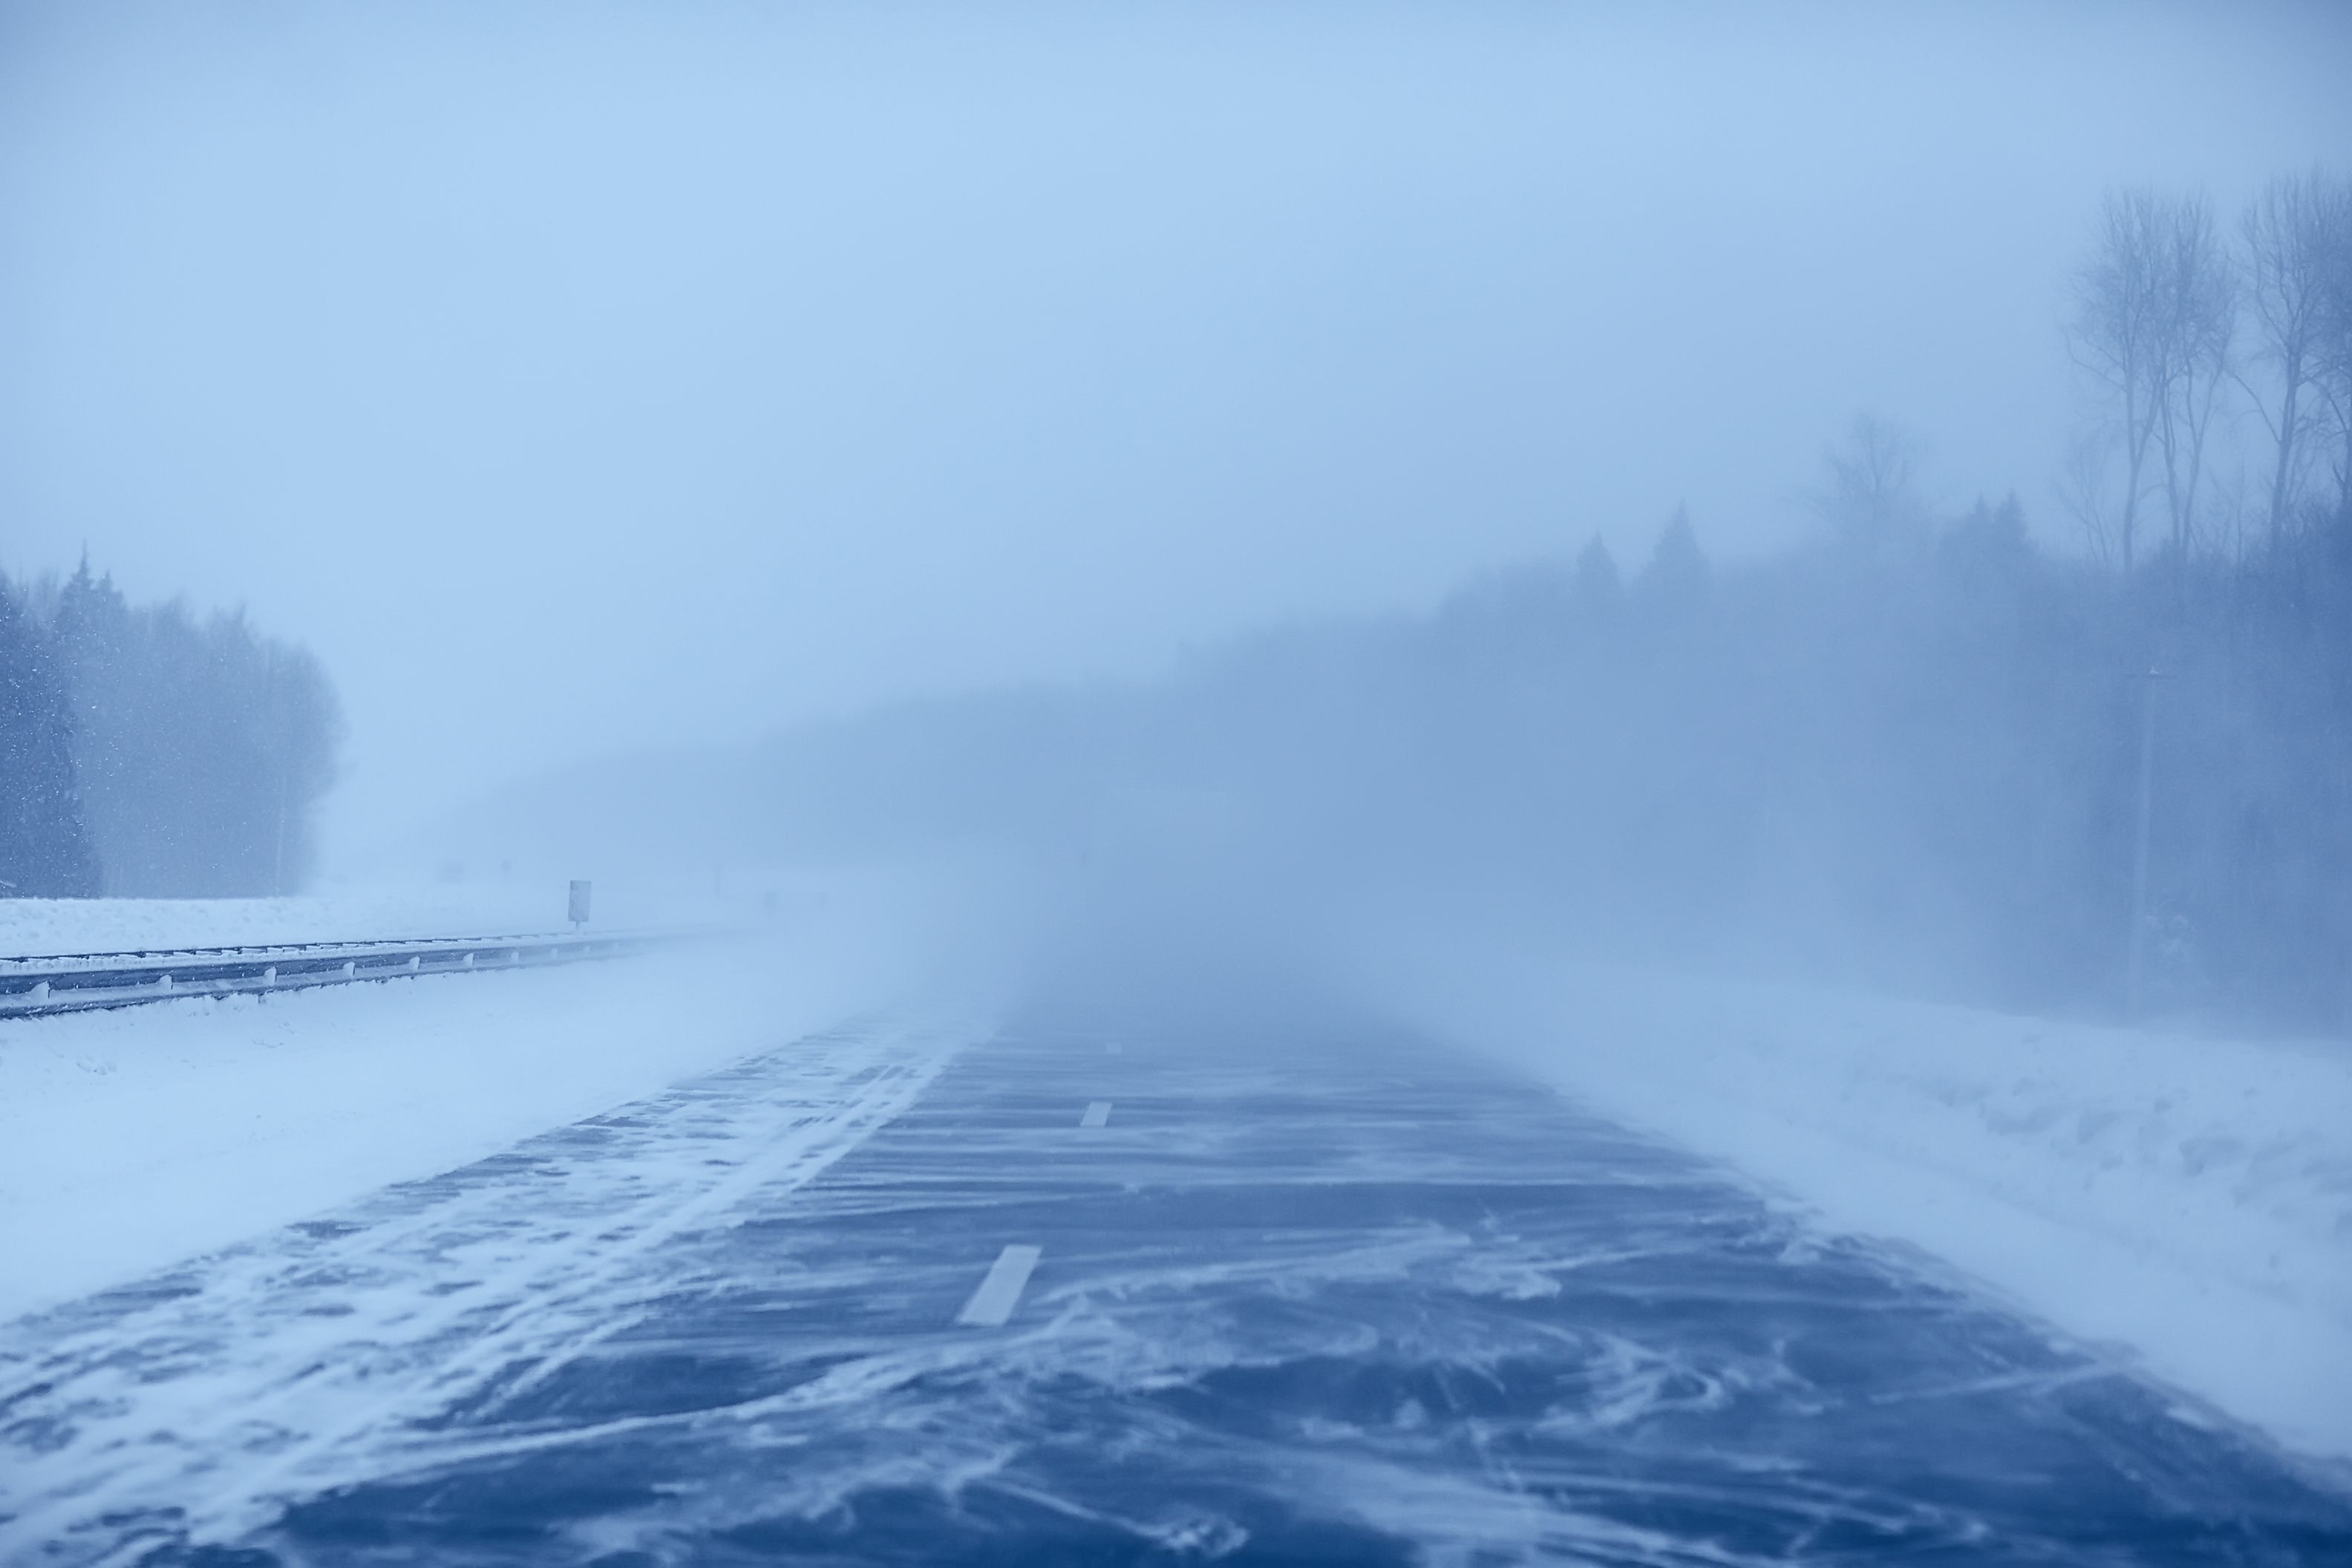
2155 311
2333 339
2084 486
2118 333
2198 320
2294 232
1869 491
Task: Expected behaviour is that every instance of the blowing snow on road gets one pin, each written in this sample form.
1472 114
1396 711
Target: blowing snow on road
1297 784
1300 1295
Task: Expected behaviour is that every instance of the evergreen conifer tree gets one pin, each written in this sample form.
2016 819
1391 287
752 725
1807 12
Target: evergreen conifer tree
45 848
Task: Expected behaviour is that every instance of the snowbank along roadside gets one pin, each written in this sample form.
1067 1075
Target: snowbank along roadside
2187 1198
130 1139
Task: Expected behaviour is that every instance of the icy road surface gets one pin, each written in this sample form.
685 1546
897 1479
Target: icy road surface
1061 1296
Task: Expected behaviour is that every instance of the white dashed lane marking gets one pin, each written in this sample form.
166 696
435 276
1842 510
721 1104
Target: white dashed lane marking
1000 1292
1098 1112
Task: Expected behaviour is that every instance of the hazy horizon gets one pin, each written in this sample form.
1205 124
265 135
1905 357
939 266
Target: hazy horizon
931 836
674 376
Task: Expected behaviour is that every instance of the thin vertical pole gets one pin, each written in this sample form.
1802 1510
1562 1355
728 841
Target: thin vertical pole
278 749
2136 968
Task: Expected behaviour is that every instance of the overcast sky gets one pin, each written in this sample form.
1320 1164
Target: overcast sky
577 376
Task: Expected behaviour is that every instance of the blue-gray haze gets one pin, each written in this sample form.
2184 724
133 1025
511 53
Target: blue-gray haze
666 374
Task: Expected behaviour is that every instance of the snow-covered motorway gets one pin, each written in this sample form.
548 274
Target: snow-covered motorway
1099 1293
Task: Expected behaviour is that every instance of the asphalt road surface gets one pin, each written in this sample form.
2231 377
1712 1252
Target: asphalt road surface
1100 1295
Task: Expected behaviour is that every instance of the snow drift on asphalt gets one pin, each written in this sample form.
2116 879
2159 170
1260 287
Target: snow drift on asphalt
2190 1198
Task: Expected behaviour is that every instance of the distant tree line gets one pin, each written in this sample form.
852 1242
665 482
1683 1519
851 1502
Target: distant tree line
1912 755
1911 750
146 752
1922 748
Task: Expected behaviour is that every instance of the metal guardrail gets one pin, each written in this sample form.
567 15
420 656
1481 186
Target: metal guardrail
32 987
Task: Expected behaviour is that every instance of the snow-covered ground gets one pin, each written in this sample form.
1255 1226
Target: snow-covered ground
130 1140
2186 1198
312 1357
2189 1199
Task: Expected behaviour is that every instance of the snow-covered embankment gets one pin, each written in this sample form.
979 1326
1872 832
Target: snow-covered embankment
130 1140
2189 1199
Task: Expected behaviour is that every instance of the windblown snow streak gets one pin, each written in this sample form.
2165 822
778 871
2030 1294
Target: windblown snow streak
196 1404
1355 1300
